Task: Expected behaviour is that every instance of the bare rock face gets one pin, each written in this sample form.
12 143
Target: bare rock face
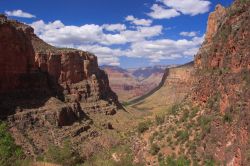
223 83
16 56
226 41
47 89
213 21
67 67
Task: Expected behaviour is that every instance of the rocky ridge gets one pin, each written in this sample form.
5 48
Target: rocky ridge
47 89
211 125
222 87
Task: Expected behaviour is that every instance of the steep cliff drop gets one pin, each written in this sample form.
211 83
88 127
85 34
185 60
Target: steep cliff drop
48 93
223 83
211 125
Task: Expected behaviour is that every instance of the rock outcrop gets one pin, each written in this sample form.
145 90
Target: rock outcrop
223 84
44 88
16 55
210 126
213 21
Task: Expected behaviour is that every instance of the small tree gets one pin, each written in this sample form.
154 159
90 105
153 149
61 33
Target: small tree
10 153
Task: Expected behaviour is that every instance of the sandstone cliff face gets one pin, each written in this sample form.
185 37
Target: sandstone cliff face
67 67
211 125
44 88
223 87
16 55
23 54
213 22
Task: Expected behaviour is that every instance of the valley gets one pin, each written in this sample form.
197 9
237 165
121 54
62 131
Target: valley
131 83
60 107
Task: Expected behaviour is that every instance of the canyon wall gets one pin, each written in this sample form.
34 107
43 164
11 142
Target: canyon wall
222 88
47 89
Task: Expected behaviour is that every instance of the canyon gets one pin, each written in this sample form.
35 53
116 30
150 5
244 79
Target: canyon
192 114
44 89
210 125
131 83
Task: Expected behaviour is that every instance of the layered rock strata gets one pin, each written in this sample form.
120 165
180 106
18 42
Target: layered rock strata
47 92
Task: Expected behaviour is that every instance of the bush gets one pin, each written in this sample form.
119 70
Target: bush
143 126
209 162
194 112
159 119
227 118
65 155
174 109
182 135
180 161
10 153
104 157
214 102
154 149
246 76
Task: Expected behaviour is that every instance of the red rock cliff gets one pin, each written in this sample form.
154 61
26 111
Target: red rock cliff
28 63
222 88
17 55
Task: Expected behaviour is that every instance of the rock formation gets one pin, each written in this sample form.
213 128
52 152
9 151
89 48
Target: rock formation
176 83
44 88
132 83
223 83
210 126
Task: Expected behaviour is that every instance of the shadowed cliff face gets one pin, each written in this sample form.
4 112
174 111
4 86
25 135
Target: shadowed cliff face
44 88
24 56
16 56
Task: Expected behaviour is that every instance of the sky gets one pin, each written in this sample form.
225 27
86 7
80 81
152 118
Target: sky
125 33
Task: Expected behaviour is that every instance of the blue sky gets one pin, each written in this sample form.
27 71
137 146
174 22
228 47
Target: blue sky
128 33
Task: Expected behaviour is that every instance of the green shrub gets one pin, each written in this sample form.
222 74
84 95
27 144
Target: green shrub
180 161
159 119
182 135
209 162
174 109
184 116
246 76
10 153
104 157
154 149
194 111
143 126
214 102
65 155
204 122
227 118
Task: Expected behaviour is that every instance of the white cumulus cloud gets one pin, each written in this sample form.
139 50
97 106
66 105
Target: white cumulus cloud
114 27
136 21
109 46
188 7
173 8
160 49
189 34
94 38
57 33
159 12
19 13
